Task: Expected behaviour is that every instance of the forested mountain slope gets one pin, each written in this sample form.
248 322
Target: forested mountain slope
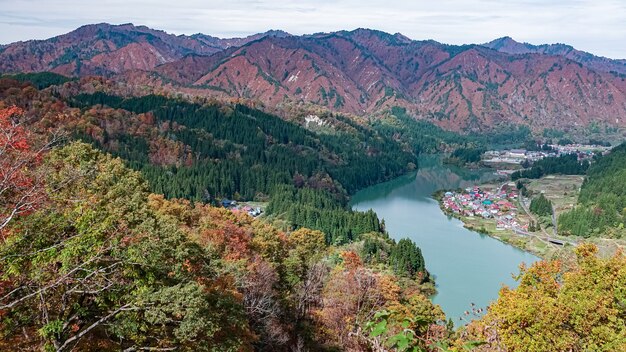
92 261
600 211
362 72
211 151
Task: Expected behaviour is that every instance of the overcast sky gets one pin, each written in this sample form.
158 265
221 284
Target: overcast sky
597 26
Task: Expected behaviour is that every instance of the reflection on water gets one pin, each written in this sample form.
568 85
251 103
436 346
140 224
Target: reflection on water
432 176
469 267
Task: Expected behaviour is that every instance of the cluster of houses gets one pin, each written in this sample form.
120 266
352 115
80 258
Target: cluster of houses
236 207
515 156
497 205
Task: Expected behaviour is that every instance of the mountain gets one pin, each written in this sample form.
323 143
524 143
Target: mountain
510 46
329 70
361 72
104 49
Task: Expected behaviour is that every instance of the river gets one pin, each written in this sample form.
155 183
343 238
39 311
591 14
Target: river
468 267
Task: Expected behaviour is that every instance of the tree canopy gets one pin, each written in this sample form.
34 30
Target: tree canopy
552 310
602 201
541 205
567 164
96 261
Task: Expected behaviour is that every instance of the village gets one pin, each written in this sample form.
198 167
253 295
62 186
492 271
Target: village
520 156
497 205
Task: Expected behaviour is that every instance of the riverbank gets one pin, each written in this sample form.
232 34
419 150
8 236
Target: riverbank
467 268
562 191
539 246
488 210
528 243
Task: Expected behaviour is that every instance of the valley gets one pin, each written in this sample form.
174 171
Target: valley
508 208
280 192
469 267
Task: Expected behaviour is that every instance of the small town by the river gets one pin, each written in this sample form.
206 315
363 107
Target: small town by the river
497 204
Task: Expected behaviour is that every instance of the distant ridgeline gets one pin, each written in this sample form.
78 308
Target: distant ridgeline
205 153
601 208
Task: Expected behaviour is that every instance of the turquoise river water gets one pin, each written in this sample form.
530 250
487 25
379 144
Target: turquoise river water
468 267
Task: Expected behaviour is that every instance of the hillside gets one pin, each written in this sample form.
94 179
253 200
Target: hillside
104 49
361 72
602 200
92 261
206 152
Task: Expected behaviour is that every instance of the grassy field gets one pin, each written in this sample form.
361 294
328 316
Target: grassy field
562 190
529 244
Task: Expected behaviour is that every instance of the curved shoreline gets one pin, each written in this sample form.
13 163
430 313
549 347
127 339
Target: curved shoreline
521 242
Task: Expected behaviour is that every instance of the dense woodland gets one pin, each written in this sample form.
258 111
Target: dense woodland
426 137
541 206
602 200
317 209
563 165
93 258
206 153
463 156
532 145
39 80
246 150
93 261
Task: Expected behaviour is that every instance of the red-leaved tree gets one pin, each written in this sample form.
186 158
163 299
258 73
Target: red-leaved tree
21 190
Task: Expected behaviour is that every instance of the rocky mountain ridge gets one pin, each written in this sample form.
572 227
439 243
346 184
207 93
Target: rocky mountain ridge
362 72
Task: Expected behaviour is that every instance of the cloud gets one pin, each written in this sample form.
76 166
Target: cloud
595 26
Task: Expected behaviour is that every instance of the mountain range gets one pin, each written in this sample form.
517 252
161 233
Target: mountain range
361 72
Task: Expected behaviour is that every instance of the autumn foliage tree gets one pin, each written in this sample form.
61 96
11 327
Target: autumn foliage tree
250 254
552 310
21 189
305 247
353 296
96 268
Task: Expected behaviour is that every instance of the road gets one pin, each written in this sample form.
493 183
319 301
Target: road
546 237
522 202
554 229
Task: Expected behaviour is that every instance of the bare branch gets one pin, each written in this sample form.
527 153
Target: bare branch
91 327
56 283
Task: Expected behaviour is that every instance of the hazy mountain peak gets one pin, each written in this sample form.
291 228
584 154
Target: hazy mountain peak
508 44
277 33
